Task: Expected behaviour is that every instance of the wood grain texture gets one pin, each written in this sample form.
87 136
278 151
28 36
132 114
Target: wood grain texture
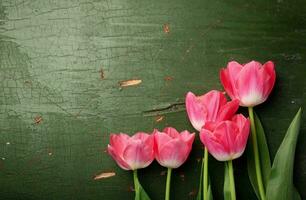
61 62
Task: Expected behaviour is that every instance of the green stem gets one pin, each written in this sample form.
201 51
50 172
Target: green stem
205 175
167 196
136 183
231 179
256 156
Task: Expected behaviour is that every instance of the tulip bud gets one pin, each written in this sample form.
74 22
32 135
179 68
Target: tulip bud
251 83
211 107
171 147
228 139
132 153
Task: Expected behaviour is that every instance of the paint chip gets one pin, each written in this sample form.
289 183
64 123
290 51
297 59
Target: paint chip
38 119
8 143
166 28
131 189
28 82
168 78
104 175
102 75
193 192
159 118
131 82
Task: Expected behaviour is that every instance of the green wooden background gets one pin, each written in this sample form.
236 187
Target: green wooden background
61 63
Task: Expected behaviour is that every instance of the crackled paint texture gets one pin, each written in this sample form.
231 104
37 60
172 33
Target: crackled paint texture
63 63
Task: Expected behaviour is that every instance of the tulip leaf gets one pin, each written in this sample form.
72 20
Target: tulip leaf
200 191
210 195
296 195
264 155
280 185
140 193
226 186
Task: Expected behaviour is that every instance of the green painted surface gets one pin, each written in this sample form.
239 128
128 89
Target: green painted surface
56 112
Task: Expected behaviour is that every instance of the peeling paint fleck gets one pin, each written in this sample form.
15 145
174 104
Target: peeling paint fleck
193 192
182 176
131 189
168 78
102 75
131 82
166 28
163 173
159 118
38 119
28 82
104 175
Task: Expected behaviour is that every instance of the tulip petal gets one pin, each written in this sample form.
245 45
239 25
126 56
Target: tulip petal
172 132
160 139
228 110
117 158
173 154
268 68
228 77
196 111
138 155
140 136
250 85
226 132
244 132
216 149
213 100
187 137
119 142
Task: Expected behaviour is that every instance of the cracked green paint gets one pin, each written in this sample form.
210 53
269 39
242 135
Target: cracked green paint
52 54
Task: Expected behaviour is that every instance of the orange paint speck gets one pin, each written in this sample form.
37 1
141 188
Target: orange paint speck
38 119
168 78
166 28
159 118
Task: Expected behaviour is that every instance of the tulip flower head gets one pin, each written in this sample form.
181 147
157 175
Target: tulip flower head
171 147
133 152
211 107
228 139
251 83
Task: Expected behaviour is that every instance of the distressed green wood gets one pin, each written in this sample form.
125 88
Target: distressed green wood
57 110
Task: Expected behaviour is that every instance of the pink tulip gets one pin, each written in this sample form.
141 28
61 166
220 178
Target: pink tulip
171 147
251 83
229 138
132 153
210 107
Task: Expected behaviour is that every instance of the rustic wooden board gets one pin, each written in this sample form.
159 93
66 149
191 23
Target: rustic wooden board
61 67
